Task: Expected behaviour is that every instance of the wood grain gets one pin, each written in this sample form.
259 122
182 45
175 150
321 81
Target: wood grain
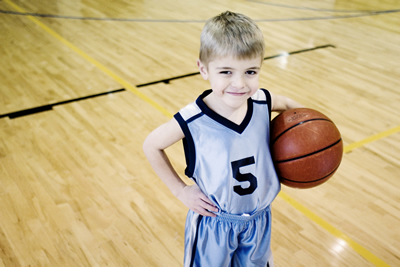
75 187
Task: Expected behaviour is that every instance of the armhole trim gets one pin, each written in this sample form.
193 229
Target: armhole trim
268 96
188 146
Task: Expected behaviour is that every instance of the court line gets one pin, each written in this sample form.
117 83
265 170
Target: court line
359 14
331 17
48 107
167 80
103 68
358 248
319 9
370 139
333 231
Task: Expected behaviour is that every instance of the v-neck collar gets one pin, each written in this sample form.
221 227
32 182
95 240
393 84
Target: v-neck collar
239 128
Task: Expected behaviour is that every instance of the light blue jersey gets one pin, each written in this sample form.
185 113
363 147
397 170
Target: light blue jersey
232 165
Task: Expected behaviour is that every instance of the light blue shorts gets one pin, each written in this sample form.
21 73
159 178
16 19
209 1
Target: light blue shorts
228 240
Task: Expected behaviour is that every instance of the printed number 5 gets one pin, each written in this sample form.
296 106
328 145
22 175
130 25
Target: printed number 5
244 177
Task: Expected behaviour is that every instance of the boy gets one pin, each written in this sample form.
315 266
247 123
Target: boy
225 134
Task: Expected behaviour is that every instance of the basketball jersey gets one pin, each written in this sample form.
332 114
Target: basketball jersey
231 163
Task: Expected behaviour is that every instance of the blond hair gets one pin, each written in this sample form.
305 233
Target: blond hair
231 34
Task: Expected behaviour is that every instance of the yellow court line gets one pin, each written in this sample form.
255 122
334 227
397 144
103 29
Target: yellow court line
370 139
324 224
107 71
358 248
335 232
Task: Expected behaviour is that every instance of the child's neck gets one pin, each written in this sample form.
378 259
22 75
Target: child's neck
235 115
238 115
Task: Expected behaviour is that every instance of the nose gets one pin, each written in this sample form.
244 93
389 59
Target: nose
238 82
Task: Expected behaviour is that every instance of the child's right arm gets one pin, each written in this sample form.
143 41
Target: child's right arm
153 147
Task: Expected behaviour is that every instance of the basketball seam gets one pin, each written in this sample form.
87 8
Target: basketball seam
313 181
317 119
309 154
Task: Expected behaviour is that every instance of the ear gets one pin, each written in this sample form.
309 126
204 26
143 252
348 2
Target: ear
202 69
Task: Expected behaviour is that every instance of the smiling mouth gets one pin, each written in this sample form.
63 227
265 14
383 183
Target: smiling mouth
236 94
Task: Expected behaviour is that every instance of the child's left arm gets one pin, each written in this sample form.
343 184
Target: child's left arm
281 103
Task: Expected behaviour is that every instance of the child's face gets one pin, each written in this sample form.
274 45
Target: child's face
232 80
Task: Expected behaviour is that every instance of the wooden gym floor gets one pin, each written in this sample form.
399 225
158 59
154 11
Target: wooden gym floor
83 82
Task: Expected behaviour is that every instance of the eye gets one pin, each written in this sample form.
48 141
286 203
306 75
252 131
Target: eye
225 72
251 72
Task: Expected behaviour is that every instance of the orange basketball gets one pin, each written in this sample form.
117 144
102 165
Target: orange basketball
306 147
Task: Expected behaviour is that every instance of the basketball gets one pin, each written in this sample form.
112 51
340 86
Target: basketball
306 147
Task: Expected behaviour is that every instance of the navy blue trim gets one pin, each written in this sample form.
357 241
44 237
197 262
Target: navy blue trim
268 102
188 145
220 119
268 95
194 117
195 241
262 102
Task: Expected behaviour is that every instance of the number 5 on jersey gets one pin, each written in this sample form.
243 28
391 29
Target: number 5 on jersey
244 177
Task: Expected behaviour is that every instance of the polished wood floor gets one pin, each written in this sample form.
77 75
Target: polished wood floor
75 188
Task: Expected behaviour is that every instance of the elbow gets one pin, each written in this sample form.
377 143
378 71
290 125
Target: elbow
151 147
147 146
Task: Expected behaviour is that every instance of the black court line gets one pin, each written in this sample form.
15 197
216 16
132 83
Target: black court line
317 9
48 107
30 111
9 12
359 14
331 17
167 80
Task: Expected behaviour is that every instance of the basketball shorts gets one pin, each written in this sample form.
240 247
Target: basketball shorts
228 240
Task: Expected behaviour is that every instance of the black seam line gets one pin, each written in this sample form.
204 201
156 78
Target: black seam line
310 154
167 80
317 119
313 181
48 107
